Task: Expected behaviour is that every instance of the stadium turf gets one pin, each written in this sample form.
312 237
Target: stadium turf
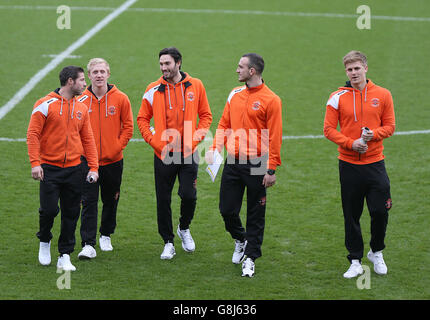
302 43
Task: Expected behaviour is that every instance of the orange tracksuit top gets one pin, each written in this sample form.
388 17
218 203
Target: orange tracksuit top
59 132
175 109
354 109
112 122
251 125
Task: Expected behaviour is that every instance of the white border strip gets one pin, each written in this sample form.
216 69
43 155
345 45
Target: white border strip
58 59
400 133
404 133
220 11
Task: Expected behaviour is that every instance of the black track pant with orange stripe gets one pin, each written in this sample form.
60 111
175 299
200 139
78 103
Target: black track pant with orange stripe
359 182
63 185
235 177
165 172
109 187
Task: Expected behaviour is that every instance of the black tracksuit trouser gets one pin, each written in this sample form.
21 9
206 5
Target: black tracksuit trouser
165 176
235 177
64 185
108 185
359 182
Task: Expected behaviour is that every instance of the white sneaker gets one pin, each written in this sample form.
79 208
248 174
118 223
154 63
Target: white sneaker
45 253
88 252
168 252
187 240
354 270
239 251
105 243
378 262
64 263
248 268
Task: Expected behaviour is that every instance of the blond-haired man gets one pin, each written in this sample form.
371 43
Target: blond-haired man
112 125
365 113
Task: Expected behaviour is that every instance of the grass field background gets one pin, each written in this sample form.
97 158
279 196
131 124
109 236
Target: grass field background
303 251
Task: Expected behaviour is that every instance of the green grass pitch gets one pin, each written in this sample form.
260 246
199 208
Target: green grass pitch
302 43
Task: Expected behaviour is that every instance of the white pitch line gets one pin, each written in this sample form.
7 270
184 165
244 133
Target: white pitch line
400 133
13 140
55 55
403 133
221 11
58 59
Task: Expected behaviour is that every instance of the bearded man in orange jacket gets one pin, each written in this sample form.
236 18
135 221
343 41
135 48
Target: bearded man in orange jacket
58 133
180 110
112 123
365 113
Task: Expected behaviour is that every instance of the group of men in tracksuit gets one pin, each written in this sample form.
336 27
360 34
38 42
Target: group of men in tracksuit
76 139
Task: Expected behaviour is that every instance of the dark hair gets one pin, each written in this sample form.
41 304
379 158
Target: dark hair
69 72
255 61
173 52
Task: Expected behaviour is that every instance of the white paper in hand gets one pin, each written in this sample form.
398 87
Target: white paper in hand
213 168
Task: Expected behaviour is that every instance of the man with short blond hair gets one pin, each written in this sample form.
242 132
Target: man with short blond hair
95 61
354 56
112 124
365 113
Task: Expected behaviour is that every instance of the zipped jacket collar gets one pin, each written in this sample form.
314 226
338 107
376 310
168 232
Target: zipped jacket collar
111 87
184 84
349 87
56 94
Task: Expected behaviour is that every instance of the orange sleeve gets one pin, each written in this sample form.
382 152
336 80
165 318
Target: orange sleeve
388 120
274 124
34 132
331 120
126 131
89 145
143 120
220 138
205 117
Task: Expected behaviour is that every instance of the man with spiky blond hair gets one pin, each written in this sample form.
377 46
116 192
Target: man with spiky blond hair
365 113
112 124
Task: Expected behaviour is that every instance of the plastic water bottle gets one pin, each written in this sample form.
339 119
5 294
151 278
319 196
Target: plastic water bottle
364 130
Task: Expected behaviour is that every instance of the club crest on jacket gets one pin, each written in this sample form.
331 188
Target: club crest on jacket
79 115
190 96
375 102
111 110
256 105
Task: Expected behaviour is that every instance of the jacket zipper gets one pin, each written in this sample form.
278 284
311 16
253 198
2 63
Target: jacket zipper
183 108
100 128
177 107
177 111
67 136
244 115
361 119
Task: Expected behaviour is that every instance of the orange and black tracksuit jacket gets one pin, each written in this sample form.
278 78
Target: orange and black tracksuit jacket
112 124
251 125
59 132
362 175
181 117
353 109
250 128
180 112
111 121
